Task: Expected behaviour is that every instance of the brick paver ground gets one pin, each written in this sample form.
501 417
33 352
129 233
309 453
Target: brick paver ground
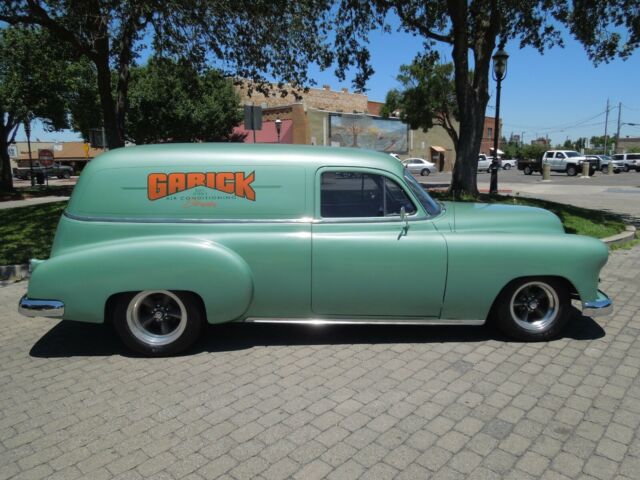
260 401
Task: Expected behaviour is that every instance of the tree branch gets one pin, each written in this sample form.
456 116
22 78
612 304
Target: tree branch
38 16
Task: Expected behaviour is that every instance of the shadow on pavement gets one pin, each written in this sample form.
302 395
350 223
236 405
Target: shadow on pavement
70 339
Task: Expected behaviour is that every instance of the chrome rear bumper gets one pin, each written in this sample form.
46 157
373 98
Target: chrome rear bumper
40 308
600 307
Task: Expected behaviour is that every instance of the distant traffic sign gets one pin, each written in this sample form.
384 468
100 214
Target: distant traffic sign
45 157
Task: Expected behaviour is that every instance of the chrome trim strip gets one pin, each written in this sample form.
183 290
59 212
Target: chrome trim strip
599 307
84 218
40 308
363 321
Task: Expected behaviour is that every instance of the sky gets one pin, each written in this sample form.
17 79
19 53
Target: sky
560 93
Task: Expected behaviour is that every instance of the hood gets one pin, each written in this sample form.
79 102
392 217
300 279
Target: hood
502 218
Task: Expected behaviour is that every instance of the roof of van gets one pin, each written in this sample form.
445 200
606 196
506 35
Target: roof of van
208 154
211 180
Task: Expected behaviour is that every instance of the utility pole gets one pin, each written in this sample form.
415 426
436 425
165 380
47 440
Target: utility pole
618 130
606 124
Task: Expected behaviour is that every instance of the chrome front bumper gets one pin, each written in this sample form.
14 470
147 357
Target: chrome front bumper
41 308
600 307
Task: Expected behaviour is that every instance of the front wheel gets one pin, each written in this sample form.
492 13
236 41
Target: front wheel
533 309
158 322
66 175
527 170
572 171
626 168
507 166
425 172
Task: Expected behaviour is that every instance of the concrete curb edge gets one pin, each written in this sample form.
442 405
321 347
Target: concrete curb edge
626 236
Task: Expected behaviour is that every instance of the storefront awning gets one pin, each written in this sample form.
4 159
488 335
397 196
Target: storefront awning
438 149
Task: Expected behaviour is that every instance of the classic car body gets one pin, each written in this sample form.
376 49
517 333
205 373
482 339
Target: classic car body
244 233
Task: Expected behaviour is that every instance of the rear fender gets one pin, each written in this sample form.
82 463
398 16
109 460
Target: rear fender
85 278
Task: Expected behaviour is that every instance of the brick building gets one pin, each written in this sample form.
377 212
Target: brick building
321 116
625 144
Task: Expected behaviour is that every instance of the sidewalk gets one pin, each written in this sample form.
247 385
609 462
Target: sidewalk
31 201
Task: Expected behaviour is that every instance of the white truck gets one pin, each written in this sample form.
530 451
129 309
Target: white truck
569 161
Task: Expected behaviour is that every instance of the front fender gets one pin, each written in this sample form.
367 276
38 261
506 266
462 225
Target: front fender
482 264
85 278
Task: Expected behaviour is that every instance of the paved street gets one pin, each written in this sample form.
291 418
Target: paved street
615 193
269 402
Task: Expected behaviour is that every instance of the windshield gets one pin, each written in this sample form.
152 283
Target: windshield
429 204
573 154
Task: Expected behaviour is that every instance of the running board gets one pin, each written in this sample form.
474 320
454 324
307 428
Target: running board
363 321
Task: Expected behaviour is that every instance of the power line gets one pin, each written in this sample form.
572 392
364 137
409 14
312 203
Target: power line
559 126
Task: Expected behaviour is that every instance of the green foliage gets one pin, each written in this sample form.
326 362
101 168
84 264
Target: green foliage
33 84
83 98
529 152
172 101
428 95
633 150
392 104
33 80
259 40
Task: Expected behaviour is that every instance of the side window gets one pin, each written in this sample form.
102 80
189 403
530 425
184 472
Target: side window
559 155
633 156
355 194
617 157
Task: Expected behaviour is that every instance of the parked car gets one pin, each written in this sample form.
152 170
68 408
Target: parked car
604 160
55 170
569 161
631 161
508 163
420 165
160 240
484 163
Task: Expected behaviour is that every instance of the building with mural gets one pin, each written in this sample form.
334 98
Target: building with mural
347 119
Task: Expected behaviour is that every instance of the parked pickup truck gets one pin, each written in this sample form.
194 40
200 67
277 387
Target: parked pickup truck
55 170
568 161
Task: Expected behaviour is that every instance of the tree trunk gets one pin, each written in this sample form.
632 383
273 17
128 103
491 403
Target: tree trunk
6 177
465 170
114 137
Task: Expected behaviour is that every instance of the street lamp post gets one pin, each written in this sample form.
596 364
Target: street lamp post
499 73
278 127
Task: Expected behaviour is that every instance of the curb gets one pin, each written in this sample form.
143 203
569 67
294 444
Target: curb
626 236
13 273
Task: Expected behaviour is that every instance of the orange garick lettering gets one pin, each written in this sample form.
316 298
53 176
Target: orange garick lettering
160 185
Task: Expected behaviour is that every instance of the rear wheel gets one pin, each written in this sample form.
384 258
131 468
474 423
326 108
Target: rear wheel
158 322
425 172
533 309
66 175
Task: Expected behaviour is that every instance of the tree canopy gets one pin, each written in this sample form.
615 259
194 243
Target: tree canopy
252 40
34 83
427 97
171 101
473 29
